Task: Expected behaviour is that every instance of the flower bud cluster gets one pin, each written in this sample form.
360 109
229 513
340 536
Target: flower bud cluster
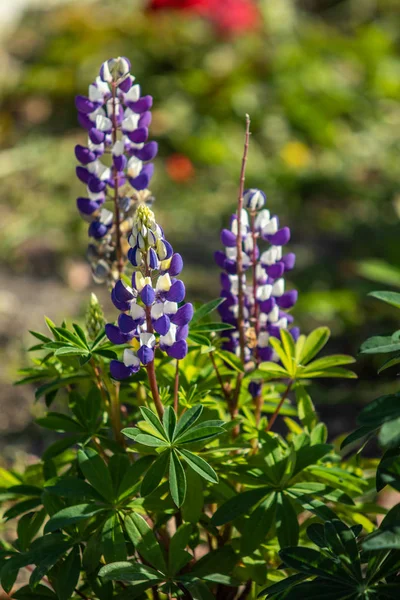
265 299
115 165
152 310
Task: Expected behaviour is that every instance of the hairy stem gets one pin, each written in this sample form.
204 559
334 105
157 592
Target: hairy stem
220 380
278 408
242 337
176 388
118 248
151 372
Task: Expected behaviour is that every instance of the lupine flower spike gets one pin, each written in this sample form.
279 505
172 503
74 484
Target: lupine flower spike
116 117
152 311
265 300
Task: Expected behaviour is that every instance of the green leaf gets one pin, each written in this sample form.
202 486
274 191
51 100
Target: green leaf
149 440
309 455
145 542
28 526
177 480
113 541
356 435
192 507
380 410
305 408
392 298
40 592
316 533
68 575
72 487
96 472
129 572
287 525
327 362
389 435
188 419
383 539
21 507
199 465
60 446
314 344
200 433
71 515
60 422
238 505
211 327
131 479
154 475
230 359
153 420
206 309
310 562
281 586
169 422
381 344
273 370
70 351
178 557
258 525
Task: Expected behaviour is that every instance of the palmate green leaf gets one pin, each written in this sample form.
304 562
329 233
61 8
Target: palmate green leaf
342 541
389 435
155 473
58 383
131 481
96 472
206 309
200 433
327 362
273 370
21 507
149 440
311 562
238 505
113 541
129 573
211 327
187 420
153 420
329 373
287 360
41 592
258 525
385 408
358 434
169 423
310 503
71 515
383 539
28 526
177 480
388 472
287 525
305 408
68 575
313 344
145 542
381 344
230 359
192 507
281 586
61 446
309 455
178 557
71 351
392 298
199 465
391 362
60 422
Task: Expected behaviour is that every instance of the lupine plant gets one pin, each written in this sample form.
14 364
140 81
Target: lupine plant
188 460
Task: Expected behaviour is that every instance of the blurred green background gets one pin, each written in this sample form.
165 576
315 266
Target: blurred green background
321 81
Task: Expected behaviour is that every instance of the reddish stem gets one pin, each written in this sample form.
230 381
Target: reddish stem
278 408
176 388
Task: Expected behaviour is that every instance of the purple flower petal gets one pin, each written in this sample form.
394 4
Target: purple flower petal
141 182
145 354
139 135
96 136
267 305
119 371
97 230
280 238
178 350
288 299
289 261
122 294
176 265
84 121
176 293
145 120
220 258
153 260
183 315
162 325
127 324
119 162
182 333
275 271
125 85
148 152
255 388
84 155
265 354
228 238
83 174
84 105
95 185
116 336
86 206
231 266
121 305
295 333
142 105
147 295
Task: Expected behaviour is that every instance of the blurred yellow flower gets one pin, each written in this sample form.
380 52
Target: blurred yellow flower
295 154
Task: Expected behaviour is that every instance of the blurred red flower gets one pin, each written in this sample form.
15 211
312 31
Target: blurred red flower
180 168
229 16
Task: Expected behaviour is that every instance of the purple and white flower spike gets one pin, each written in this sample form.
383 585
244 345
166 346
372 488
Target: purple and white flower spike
266 300
152 313
116 117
